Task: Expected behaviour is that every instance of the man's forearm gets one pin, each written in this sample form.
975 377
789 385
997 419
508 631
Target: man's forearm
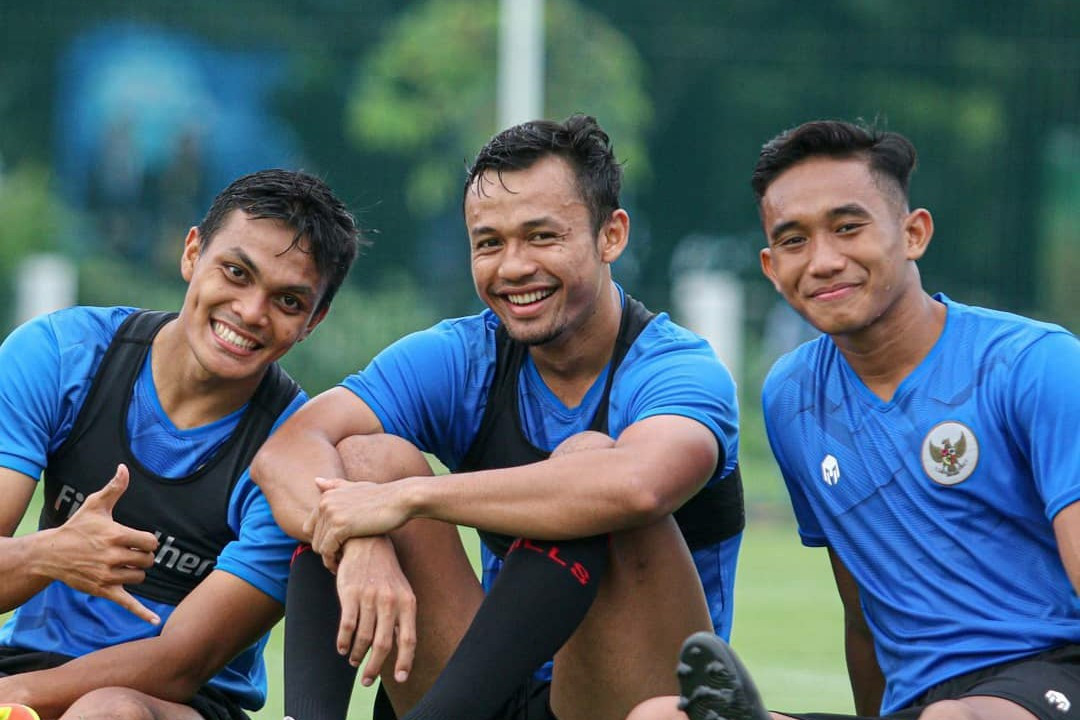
138 665
288 480
654 467
19 566
586 493
306 447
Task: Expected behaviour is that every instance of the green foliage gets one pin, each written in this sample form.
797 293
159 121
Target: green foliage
1061 254
359 325
427 92
107 280
34 217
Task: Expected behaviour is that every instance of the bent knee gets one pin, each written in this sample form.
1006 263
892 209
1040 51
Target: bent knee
110 703
381 457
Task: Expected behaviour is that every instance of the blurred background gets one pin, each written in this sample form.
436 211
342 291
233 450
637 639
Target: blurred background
120 120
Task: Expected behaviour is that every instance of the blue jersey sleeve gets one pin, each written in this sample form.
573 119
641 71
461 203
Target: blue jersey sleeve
46 368
1044 404
430 386
671 371
262 551
779 393
29 393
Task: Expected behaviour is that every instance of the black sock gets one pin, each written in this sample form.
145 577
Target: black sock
318 681
536 603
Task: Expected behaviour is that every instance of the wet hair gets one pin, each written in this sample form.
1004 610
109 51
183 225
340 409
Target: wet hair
578 140
890 155
305 204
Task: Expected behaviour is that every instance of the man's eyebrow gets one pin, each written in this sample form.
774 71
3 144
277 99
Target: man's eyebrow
848 210
537 222
780 228
253 268
482 230
532 224
246 259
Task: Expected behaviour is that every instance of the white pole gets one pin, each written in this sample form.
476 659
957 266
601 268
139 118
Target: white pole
710 303
44 283
520 91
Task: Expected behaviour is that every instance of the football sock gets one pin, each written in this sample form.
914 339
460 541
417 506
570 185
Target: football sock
536 603
318 681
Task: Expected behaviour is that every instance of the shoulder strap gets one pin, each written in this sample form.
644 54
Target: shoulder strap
635 317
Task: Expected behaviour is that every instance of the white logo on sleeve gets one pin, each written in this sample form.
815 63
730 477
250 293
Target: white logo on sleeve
830 470
1058 701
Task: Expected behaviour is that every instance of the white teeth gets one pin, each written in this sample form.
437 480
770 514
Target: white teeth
526 298
232 338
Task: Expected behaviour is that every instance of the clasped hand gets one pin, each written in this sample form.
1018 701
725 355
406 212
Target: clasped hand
378 608
349 509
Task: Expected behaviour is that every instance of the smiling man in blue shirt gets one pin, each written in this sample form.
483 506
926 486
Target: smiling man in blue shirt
158 568
929 445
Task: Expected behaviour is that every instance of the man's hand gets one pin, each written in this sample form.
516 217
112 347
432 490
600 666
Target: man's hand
96 555
350 510
377 604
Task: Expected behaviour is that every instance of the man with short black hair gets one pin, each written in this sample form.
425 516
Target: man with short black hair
929 445
150 594
575 421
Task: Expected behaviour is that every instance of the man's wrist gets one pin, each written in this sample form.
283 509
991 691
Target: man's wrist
33 554
418 497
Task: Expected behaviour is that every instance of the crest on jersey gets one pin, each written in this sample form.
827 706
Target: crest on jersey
950 452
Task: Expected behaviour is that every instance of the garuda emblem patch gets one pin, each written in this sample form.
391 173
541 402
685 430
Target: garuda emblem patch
950 452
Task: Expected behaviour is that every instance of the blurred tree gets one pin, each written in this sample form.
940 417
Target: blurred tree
106 281
34 217
1060 261
427 91
360 324
981 88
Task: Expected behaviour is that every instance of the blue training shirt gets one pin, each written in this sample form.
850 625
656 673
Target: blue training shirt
48 366
431 388
940 501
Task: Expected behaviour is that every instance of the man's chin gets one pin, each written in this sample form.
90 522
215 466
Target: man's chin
533 338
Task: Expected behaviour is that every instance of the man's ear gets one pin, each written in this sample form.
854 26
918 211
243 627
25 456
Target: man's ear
614 236
190 255
918 229
767 267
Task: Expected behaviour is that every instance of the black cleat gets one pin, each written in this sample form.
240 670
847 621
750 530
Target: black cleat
714 684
